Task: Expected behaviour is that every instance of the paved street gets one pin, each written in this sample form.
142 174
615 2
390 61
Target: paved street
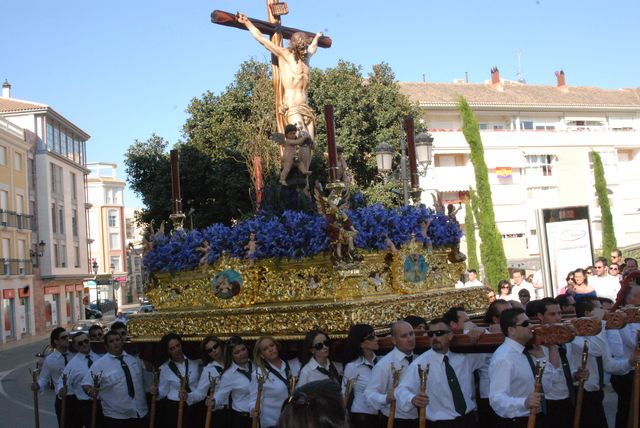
16 399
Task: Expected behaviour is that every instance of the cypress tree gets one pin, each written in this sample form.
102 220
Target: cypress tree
492 253
608 233
470 233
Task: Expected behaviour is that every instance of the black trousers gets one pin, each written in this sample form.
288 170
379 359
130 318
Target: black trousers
169 414
559 413
240 419
126 423
486 415
593 415
623 386
401 423
364 420
466 421
521 422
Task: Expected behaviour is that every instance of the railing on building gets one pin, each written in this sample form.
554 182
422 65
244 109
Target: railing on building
15 267
13 219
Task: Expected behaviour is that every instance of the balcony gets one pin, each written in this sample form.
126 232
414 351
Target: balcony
16 267
15 220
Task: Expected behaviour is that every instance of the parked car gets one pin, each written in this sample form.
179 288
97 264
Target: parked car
145 309
92 314
105 305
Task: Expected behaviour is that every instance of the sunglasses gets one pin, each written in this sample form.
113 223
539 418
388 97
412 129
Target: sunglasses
437 333
369 337
614 268
82 342
318 346
214 346
524 324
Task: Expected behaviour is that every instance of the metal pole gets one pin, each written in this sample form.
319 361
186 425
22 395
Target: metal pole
403 169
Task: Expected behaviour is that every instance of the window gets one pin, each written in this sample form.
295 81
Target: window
74 222
21 256
56 180
56 140
539 165
526 125
56 255
54 222
63 255
114 241
115 261
17 161
3 155
49 141
74 188
4 206
76 256
61 218
113 218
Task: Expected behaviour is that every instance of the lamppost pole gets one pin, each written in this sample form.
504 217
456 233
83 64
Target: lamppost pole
403 170
94 266
112 268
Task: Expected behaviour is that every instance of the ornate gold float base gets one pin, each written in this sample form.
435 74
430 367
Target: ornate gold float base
292 321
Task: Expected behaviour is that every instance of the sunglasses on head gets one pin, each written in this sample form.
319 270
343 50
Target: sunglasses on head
214 346
318 346
437 333
370 336
525 324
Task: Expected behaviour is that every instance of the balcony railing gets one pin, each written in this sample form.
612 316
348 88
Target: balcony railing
13 219
15 267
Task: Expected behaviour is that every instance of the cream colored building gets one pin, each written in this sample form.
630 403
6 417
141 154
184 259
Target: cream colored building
16 270
537 141
56 197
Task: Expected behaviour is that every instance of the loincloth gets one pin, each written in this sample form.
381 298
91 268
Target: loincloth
308 116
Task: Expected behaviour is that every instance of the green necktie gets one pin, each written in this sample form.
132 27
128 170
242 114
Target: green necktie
567 371
600 364
89 361
543 403
456 391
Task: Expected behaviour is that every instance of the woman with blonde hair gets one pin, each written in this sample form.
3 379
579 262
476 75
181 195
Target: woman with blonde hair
275 373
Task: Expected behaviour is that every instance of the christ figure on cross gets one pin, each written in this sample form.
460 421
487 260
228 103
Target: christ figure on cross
293 63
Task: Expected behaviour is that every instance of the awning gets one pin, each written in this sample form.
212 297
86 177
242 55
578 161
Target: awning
538 151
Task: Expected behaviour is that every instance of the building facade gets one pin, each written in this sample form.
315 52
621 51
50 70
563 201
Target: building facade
56 175
16 248
537 142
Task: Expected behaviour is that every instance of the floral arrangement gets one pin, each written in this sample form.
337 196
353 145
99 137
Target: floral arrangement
295 234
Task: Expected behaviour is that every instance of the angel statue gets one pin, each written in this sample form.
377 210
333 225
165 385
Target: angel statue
339 226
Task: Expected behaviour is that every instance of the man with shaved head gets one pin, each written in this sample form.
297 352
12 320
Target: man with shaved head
379 392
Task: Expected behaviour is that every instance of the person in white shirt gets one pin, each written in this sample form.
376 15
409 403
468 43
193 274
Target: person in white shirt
450 387
360 348
520 283
315 361
511 378
277 377
235 382
473 279
121 387
213 351
75 371
604 284
172 372
54 364
380 391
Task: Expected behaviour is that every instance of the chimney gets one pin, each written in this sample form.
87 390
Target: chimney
6 89
495 80
562 83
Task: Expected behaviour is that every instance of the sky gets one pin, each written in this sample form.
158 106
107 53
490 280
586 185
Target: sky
124 70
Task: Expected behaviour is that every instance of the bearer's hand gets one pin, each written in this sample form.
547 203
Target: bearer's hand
420 400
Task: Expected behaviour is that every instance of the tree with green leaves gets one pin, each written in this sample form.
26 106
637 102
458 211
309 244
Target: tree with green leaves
470 235
492 252
609 242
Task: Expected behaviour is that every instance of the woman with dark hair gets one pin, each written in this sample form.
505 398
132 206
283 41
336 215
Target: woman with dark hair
569 286
276 375
316 404
314 359
360 348
504 290
213 358
582 287
172 371
235 382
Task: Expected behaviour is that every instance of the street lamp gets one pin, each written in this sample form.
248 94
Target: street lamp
112 269
423 155
94 266
37 251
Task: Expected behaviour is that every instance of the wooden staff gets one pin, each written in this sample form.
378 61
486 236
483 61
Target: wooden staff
293 380
213 381
580 394
94 399
348 388
181 392
422 412
63 401
36 409
635 395
395 376
540 365
154 398
256 408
